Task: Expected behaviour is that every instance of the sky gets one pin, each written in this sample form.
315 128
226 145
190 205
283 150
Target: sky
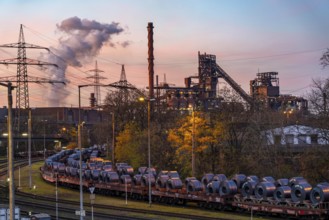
247 37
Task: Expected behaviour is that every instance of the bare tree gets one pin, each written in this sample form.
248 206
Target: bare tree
325 59
318 96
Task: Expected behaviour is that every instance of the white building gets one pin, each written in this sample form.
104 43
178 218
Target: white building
297 135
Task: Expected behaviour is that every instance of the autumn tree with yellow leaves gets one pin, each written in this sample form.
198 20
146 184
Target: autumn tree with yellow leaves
181 139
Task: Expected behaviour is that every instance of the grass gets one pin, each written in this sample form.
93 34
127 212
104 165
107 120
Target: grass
46 189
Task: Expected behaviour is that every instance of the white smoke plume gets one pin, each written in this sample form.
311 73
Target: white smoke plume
82 40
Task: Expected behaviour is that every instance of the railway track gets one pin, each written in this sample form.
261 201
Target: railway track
103 210
17 164
29 202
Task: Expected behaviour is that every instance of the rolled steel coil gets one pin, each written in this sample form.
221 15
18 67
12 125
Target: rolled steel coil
239 179
213 187
300 192
281 182
219 177
264 190
152 171
248 188
268 179
87 174
207 178
252 178
61 168
128 170
320 193
67 171
174 183
187 180
173 174
162 181
146 180
194 186
103 175
95 174
73 172
228 187
296 180
107 168
142 170
125 179
282 193
137 179
75 163
112 177
162 172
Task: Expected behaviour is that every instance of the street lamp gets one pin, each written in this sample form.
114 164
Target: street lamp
56 194
80 161
193 142
44 139
191 107
80 124
10 150
149 144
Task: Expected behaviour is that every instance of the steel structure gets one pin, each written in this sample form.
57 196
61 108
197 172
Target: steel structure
22 79
201 91
97 92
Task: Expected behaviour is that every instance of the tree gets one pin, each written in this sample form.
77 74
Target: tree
325 59
181 138
129 146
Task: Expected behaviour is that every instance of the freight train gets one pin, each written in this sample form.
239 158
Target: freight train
294 197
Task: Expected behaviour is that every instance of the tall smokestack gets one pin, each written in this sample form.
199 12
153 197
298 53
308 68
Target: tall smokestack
150 59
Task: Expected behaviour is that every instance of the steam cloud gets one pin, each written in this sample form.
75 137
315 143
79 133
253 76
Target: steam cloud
82 40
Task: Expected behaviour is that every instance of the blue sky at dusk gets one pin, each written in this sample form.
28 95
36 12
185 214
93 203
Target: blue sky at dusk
246 36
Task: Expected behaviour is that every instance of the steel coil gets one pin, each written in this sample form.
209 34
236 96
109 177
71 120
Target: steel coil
107 168
128 170
194 186
73 172
320 193
87 174
213 187
268 179
152 171
125 179
239 179
187 180
162 181
142 170
162 172
137 179
252 178
219 177
67 171
301 192
296 180
146 180
174 183
103 175
228 187
173 174
112 177
248 188
282 193
95 174
264 190
207 178
281 182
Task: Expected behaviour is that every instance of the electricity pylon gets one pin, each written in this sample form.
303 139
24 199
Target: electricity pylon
22 79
